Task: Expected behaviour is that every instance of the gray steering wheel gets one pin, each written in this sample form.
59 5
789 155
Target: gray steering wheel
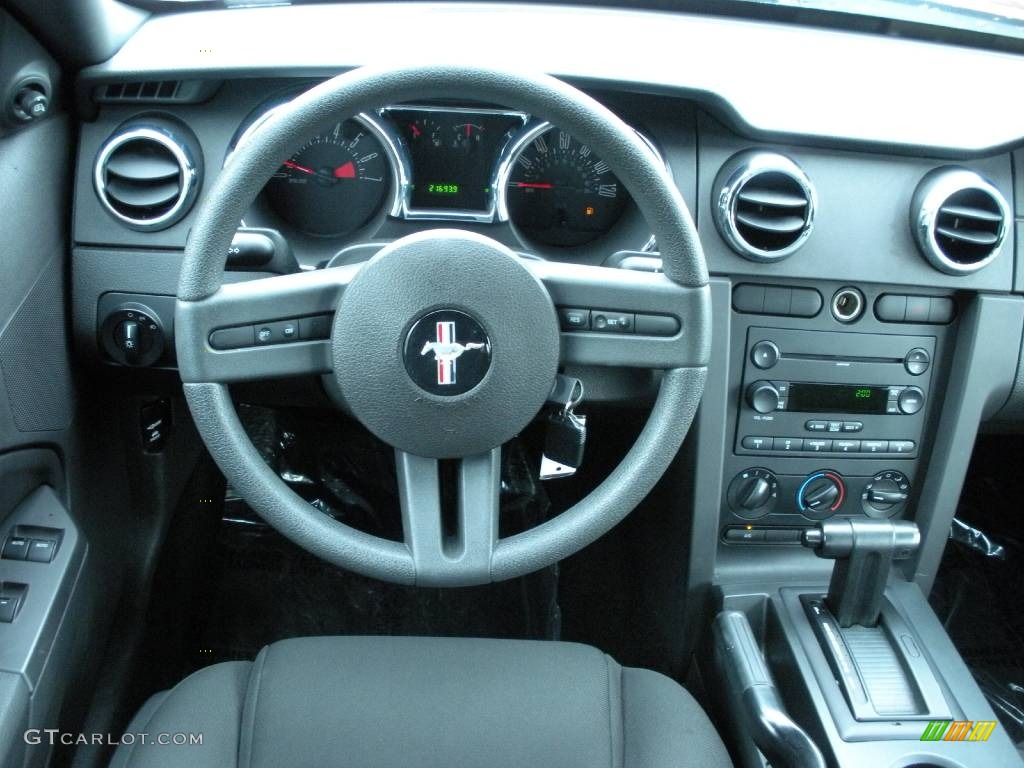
391 316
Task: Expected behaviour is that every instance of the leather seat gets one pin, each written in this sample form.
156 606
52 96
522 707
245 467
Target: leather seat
392 702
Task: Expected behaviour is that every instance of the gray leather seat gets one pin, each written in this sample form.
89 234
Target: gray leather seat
391 702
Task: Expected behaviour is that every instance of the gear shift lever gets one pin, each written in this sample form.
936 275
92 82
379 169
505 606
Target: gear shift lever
864 551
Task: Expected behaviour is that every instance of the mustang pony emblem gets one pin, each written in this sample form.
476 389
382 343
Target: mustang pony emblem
447 350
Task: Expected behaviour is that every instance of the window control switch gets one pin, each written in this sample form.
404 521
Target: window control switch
12 595
15 548
41 550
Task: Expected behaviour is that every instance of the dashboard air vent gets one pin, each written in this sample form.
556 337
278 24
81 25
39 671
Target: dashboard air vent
155 92
145 177
959 220
764 205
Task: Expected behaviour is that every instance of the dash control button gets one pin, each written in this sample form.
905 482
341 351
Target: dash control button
41 550
15 548
910 401
917 361
573 319
765 354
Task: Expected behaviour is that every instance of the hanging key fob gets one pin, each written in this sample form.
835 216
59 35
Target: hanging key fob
564 442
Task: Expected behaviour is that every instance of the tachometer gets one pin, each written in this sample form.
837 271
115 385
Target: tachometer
335 183
560 193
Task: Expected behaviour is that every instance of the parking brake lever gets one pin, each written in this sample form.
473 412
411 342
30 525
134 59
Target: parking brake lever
782 741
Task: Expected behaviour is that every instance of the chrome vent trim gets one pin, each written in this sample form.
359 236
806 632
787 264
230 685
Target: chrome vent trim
764 205
145 177
959 220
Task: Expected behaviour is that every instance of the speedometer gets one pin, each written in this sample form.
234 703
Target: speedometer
560 193
334 184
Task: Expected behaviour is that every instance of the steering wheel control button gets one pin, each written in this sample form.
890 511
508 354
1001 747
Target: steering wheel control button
917 361
316 327
910 401
656 325
233 338
612 322
765 354
447 353
574 319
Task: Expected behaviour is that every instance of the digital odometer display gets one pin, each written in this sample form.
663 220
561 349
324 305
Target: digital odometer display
453 155
837 398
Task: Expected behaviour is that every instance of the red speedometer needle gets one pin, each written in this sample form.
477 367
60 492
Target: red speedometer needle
533 185
297 167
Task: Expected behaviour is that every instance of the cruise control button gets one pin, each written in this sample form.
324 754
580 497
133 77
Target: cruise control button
874 446
788 444
573 319
817 446
816 426
753 443
846 446
611 322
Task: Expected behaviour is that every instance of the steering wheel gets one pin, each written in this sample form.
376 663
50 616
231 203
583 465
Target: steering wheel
435 297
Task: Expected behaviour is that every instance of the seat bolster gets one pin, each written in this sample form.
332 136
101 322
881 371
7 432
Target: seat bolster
664 727
207 703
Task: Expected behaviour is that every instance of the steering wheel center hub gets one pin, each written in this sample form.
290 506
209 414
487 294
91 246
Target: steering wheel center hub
445 345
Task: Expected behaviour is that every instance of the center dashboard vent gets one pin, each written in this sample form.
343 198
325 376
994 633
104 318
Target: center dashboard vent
959 220
146 177
764 205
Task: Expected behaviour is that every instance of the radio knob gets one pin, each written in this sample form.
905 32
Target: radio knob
763 397
911 400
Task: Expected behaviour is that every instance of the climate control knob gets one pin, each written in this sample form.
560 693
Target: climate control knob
821 494
763 397
753 493
886 494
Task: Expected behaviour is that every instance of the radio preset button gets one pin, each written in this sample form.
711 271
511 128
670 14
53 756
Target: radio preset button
816 426
874 446
846 446
817 445
788 444
853 426
756 443
765 354
911 400
901 446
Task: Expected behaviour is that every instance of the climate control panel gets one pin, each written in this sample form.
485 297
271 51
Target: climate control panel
774 499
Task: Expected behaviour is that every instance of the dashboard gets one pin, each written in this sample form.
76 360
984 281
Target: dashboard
440 163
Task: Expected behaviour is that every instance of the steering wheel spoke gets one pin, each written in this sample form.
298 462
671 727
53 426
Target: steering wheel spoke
460 553
662 316
261 329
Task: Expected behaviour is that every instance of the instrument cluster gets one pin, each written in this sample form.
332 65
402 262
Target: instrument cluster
428 163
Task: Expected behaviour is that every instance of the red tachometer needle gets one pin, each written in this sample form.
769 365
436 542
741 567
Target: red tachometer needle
346 171
532 185
297 167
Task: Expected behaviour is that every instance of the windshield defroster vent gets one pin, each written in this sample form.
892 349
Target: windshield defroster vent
959 220
764 205
146 177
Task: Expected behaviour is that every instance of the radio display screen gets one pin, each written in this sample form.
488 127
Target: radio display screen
837 398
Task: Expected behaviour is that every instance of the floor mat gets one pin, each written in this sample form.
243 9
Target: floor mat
264 588
978 591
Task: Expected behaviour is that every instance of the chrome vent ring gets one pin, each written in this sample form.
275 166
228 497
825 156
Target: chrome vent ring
763 205
959 220
146 177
